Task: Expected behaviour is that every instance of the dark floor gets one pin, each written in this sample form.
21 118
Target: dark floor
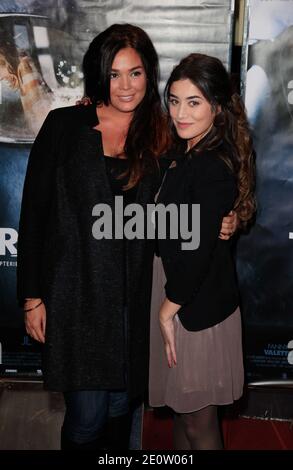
238 433
31 418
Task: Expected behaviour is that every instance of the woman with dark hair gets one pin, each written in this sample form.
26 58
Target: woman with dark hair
88 300
87 296
146 135
212 165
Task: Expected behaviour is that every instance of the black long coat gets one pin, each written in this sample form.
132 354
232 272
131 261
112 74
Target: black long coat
81 279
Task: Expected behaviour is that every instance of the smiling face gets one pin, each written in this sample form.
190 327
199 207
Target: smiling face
6 73
128 81
191 113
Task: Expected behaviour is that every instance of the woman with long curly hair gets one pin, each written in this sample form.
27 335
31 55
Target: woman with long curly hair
211 164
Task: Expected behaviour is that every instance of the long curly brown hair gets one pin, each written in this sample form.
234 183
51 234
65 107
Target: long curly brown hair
230 125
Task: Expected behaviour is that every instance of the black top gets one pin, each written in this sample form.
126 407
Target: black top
115 167
203 280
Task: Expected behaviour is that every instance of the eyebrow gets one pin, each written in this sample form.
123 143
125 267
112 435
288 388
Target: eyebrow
188 97
130 70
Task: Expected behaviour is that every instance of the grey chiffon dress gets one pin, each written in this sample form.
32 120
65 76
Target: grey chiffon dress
209 368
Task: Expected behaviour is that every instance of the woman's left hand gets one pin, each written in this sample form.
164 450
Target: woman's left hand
166 317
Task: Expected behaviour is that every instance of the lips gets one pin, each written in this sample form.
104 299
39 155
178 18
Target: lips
183 125
126 98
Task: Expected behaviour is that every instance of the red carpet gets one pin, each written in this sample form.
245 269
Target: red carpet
238 434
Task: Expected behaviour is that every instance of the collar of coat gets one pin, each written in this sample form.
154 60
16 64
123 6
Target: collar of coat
88 115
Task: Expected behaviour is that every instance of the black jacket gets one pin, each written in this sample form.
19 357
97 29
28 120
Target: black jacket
81 279
202 281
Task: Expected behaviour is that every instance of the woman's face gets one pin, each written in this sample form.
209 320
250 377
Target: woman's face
5 73
128 81
191 113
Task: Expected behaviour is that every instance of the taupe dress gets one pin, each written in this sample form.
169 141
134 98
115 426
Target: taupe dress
209 368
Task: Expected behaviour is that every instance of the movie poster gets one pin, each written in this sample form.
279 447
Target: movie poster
265 255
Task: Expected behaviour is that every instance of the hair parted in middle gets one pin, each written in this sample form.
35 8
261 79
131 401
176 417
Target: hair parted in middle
148 134
230 125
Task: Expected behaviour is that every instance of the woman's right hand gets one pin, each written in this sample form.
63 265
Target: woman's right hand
229 225
85 101
35 320
167 314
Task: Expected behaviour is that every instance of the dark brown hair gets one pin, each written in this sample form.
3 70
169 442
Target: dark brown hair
230 125
148 133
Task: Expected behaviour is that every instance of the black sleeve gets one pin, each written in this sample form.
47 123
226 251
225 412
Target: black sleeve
213 187
37 191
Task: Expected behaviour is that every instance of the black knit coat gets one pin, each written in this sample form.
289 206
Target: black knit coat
81 279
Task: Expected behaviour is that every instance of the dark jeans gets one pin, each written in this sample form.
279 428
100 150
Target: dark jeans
87 412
